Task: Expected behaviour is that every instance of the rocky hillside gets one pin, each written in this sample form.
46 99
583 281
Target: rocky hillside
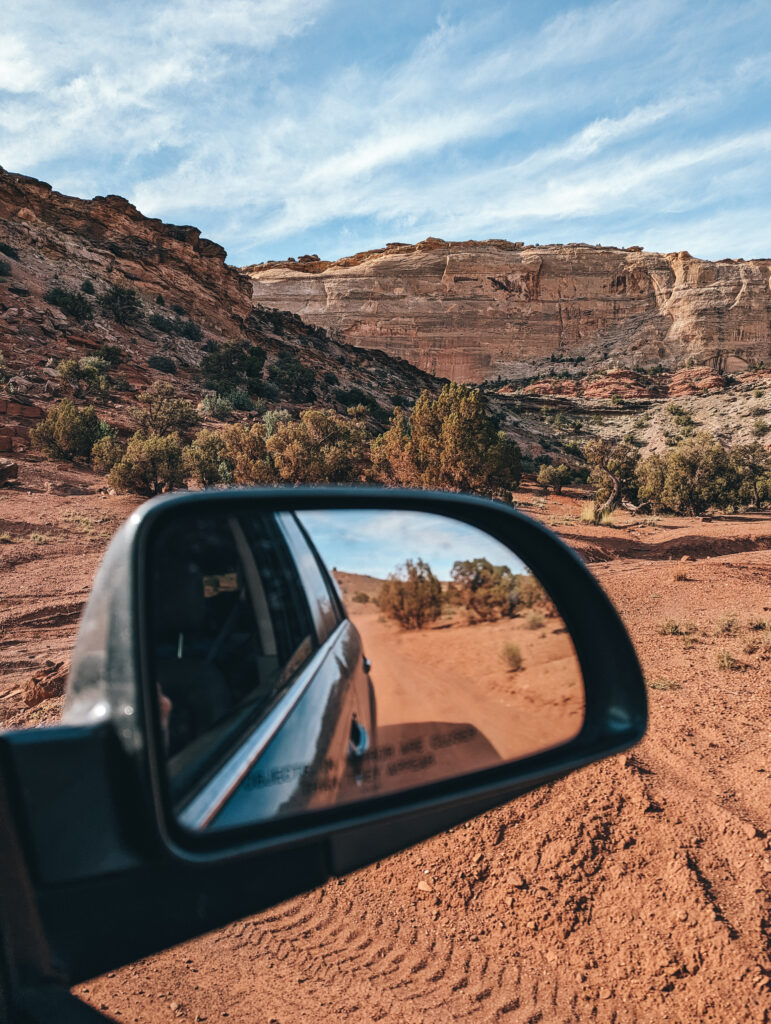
475 311
95 278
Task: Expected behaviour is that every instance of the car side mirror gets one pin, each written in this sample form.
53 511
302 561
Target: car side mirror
272 686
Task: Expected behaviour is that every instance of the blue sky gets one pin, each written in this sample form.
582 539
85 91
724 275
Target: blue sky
376 542
281 127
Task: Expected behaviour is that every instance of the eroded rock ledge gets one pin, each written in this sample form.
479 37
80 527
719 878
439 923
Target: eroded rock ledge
479 309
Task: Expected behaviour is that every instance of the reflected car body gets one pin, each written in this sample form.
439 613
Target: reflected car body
286 711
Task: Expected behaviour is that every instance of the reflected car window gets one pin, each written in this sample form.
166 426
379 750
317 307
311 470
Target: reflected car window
223 646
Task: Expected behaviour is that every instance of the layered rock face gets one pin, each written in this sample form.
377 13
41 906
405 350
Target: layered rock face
108 239
476 310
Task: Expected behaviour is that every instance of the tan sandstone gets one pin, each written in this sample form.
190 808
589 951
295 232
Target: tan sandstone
477 310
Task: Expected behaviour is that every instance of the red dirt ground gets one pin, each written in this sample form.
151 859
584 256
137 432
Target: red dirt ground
635 890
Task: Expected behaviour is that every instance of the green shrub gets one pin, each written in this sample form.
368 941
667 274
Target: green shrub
512 656
9 251
412 595
3 369
273 418
161 323
87 375
161 412
179 310
159 300
320 447
292 378
330 377
487 591
105 453
189 330
122 304
162 363
554 476
760 428
215 407
113 354
236 365
72 303
203 458
87 287
67 432
239 399
448 442
150 465
5 268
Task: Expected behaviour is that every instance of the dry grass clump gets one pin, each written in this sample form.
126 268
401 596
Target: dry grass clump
589 514
512 656
6 538
534 620
40 538
726 661
681 577
673 628
727 626
758 624
663 684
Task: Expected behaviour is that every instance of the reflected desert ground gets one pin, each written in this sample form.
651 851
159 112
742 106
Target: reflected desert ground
451 674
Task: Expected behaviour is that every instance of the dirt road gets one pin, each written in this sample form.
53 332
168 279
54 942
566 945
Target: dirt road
637 890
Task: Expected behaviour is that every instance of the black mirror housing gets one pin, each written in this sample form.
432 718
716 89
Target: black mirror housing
146 858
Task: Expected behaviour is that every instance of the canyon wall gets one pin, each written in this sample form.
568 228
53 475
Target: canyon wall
476 310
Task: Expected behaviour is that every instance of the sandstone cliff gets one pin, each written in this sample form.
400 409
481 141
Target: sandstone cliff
478 310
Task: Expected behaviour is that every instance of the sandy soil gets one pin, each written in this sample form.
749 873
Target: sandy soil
634 890
454 672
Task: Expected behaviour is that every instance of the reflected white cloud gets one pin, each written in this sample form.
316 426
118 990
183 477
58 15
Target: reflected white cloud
375 542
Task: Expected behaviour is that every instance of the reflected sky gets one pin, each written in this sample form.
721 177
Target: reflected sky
373 542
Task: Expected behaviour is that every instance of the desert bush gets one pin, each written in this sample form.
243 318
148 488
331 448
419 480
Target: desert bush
273 417
87 287
162 363
488 591
161 412
239 399
412 595
292 378
360 597
663 684
88 375
122 304
331 378
612 475
760 428
72 303
236 365
215 407
534 620
112 354
150 465
161 323
203 458
694 475
105 453
5 268
245 459
3 369
320 447
67 432
447 442
9 251
752 463
512 656
554 476
758 624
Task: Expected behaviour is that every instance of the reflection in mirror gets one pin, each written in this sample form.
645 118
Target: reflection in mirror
302 660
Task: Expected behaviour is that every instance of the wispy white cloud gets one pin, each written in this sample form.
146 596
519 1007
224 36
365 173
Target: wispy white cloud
269 126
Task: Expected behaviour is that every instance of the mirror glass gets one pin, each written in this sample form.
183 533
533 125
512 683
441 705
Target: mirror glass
306 659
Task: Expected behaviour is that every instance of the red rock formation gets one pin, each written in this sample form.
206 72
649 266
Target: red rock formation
475 310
